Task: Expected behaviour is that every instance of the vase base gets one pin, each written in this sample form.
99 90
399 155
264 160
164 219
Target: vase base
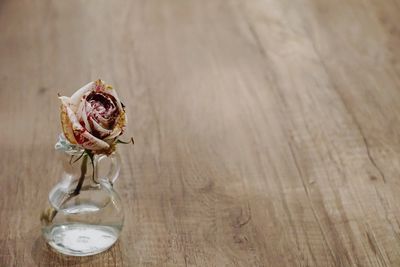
81 239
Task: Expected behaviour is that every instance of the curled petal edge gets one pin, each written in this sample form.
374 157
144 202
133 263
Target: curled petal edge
82 136
67 126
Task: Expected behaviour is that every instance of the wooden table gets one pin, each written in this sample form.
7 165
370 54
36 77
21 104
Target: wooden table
267 131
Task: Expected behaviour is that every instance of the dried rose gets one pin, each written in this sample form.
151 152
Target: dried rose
93 117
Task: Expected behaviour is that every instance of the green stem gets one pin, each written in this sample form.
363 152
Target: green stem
83 173
48 215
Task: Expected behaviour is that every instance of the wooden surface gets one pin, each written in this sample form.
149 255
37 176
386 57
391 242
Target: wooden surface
267 131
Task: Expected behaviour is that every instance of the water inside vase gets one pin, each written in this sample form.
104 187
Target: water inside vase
85 224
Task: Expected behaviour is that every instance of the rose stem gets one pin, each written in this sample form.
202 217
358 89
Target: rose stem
48 218
83 172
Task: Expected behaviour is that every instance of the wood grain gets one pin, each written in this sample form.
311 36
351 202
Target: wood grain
267 132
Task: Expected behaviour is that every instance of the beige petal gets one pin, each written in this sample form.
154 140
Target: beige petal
108 89
81 114
93 143
77 96
65 100
103 131
119 127
82 136
67 126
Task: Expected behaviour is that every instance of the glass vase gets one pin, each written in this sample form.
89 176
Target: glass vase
84 215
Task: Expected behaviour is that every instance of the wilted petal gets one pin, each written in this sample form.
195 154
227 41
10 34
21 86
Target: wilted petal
82 136
119 126
82 115
65 100
67 126
108 89
101 131
77 96
92 143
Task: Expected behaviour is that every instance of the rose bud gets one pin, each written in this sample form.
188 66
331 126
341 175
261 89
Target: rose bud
93 117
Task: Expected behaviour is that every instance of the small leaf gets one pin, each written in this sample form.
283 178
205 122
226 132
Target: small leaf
77 158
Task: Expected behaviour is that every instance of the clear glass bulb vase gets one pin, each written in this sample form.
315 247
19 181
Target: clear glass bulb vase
84 215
